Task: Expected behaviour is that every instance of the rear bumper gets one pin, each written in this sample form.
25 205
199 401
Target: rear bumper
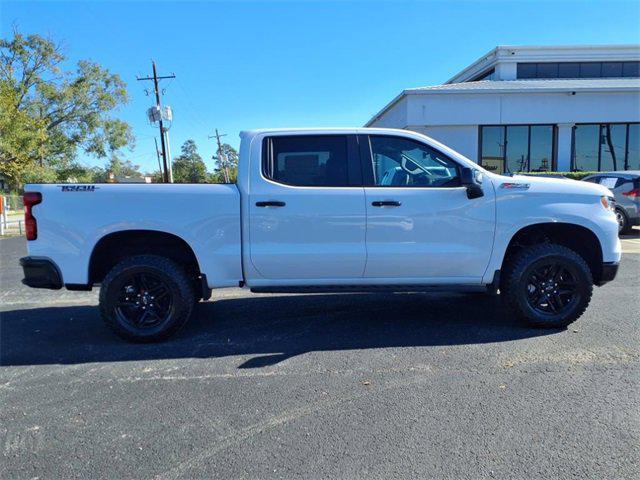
609 272
40 273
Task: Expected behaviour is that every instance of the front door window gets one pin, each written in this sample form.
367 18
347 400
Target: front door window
401 162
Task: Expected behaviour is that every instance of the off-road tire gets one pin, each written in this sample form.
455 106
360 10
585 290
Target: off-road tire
515 282
179 285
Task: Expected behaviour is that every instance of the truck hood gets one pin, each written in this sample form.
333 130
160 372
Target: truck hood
549 185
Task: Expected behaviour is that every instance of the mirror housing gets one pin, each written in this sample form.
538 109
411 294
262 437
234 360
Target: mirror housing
471 179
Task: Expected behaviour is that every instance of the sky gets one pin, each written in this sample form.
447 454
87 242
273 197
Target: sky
243 65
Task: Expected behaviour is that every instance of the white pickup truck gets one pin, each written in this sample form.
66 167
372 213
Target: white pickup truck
335 210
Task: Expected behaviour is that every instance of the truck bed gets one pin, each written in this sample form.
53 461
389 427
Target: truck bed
72 219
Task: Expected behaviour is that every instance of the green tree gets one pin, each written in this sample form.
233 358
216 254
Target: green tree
77 173
227 156
121 168
62 111
21 139
189 167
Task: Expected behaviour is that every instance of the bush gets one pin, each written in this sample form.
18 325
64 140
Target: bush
571 175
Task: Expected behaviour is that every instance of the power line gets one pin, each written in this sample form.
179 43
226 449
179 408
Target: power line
199 120
167 171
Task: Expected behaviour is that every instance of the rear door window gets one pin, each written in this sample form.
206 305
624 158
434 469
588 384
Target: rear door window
308 161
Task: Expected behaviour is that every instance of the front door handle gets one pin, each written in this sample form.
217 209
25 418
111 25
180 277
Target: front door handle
386 203
272 203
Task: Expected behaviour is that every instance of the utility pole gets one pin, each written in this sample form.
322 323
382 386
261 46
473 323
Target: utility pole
166 174
169 160
155 140
222 157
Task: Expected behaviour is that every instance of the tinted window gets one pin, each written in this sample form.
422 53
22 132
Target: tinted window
633 154
569 70
541 150
586 145
631 69
578 70
527 70
590 70
493 146
308 161
612 69
613 139
609 182
606 147
400 162
547 70
517 149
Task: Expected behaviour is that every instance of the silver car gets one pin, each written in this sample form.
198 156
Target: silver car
626 187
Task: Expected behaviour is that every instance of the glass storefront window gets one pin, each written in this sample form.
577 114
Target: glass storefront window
492 156
541 154
517 148
612 145
586 147
606 147
633 154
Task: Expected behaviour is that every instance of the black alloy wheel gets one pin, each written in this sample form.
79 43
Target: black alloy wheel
146 298
551 288
145 301
547 285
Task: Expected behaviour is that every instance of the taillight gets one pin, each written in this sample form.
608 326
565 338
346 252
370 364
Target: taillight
30 225
635 193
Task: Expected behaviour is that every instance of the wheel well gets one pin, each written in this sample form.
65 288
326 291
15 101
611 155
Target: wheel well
578 238
117 246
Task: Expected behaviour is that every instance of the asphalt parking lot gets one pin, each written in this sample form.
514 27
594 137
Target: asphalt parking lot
320 386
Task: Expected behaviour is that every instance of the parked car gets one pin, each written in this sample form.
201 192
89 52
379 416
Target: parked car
625 186
340 210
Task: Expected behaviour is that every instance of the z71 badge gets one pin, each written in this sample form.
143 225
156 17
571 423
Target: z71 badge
515 186
78 188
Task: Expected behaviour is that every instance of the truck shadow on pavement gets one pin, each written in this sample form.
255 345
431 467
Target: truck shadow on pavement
273 328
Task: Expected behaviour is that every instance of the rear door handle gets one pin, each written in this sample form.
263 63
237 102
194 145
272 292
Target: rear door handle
271 203
386 203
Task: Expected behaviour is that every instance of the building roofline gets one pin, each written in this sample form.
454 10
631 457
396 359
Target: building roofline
501 87
490 58
474 65
527 86
384 109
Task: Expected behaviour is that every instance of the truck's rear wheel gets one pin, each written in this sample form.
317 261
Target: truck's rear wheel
547 285
146 298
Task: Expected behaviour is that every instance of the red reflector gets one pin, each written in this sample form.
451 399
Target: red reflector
30 225
635 193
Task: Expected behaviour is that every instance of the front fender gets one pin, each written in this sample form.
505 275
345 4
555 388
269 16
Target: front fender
515 211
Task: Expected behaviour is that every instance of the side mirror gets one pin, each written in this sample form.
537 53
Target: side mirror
471 179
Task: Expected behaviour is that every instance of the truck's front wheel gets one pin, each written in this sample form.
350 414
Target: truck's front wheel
146 298
547 285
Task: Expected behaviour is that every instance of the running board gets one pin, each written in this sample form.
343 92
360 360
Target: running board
371 289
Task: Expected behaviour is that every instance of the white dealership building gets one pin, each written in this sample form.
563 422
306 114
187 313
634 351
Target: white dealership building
560 108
